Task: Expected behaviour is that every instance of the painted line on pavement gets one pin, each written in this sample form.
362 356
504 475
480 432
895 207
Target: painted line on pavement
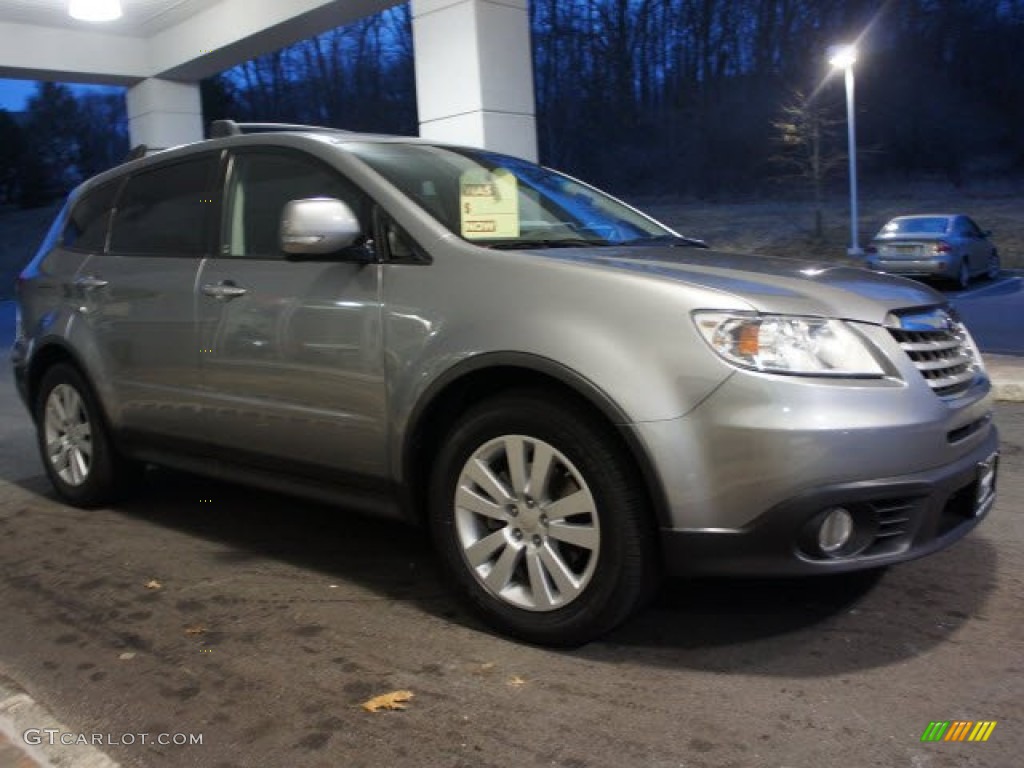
19 713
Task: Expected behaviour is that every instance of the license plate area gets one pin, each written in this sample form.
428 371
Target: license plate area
985 487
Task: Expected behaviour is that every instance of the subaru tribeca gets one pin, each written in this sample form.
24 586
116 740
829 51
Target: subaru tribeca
574 398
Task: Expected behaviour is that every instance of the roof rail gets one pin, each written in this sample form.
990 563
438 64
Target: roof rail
221 128
139 150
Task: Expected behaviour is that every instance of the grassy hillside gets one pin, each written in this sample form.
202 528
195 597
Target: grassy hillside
786 228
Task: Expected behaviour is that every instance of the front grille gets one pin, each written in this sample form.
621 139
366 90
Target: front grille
942 356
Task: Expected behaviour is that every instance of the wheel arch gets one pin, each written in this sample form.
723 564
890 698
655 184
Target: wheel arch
487 375
45 357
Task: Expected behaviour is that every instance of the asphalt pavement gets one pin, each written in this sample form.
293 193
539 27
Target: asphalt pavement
259 624
994 313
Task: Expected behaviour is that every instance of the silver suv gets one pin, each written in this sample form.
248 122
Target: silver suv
573 397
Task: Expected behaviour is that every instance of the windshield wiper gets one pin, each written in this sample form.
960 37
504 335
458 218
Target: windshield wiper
564 242
673 241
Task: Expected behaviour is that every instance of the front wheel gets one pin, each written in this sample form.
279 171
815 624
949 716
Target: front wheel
540 520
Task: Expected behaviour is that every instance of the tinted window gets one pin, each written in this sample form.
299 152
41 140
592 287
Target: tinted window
971 228
262 183
87 226
165 211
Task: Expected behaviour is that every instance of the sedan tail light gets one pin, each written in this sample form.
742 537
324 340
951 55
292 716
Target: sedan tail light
942 247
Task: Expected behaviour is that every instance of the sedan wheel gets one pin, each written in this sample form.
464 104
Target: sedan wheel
964 275
994 265
540 519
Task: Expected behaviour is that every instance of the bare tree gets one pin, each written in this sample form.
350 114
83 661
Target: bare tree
806 136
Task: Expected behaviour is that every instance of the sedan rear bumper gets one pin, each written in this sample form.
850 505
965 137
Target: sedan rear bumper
933 267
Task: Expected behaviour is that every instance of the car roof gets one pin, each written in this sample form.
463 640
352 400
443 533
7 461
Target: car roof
227 133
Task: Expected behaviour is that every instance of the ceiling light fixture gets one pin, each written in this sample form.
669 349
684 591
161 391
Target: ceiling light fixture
95 10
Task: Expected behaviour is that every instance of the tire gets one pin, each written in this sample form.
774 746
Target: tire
994 265
499 524
963 279
74 442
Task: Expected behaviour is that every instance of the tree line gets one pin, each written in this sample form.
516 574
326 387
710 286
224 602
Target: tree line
59 141
699 98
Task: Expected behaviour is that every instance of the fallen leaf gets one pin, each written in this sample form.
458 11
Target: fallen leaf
127 656
515 682
195 631
154 584
393 700
483 669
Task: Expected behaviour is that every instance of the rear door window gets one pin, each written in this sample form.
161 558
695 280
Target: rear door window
167 211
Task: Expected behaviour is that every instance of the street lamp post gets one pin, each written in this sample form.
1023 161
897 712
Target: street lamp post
844 57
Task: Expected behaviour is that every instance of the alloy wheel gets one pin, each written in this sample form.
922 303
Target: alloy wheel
68 434
527 523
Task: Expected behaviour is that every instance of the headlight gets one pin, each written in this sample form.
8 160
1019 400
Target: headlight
807 346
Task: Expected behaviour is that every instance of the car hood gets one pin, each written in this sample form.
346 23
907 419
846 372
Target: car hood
770 285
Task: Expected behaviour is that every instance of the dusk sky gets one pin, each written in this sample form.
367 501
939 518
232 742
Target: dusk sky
14 94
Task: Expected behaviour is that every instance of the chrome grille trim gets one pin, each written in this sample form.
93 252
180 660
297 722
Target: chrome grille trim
942 356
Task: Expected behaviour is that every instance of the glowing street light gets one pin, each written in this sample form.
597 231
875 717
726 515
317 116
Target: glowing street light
95 10
844 57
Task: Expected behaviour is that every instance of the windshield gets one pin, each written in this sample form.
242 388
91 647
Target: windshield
503 202
923 225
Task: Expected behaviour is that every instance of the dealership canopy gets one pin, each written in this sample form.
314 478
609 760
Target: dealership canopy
474 79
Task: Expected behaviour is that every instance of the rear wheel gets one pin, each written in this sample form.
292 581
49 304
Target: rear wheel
994 265
541 521
964 275
73 440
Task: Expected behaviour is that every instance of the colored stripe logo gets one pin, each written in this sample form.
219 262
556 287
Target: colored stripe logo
959 730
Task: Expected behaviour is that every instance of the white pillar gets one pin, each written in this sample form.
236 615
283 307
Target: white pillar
164 113
474 74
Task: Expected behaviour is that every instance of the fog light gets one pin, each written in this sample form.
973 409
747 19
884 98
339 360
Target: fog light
835 531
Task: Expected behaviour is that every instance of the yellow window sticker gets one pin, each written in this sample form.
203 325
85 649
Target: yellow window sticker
489 204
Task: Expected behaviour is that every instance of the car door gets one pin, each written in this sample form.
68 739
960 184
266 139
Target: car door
140 296
291 349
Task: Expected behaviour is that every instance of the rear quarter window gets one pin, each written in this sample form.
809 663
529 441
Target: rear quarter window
86 229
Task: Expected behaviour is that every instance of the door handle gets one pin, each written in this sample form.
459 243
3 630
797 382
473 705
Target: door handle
225 290
91 283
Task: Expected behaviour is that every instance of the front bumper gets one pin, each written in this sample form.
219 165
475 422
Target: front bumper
896 519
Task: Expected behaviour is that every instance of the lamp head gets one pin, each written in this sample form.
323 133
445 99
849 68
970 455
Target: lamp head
94 10
842 56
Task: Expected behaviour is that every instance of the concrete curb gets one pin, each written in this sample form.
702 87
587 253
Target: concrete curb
19 713
1007 375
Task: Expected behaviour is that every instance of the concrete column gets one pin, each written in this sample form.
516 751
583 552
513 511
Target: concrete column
474 74
164 113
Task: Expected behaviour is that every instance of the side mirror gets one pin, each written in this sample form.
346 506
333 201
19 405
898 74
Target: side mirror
317 227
